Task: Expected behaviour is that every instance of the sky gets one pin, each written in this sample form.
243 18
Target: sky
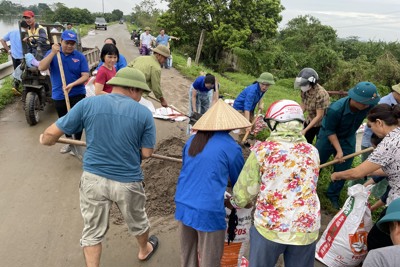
370 20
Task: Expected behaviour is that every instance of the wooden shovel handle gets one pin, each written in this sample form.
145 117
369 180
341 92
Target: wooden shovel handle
64 83
251 127
83 143
346 157
170 106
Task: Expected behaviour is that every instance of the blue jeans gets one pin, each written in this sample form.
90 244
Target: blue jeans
265 253
203 100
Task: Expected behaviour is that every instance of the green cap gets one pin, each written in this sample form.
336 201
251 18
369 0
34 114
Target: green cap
162 50
266 77
130 77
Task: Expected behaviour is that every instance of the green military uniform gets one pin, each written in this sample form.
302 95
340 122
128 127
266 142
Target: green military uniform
151 69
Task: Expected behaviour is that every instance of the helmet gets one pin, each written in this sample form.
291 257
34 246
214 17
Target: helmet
266 77
284 111
305 77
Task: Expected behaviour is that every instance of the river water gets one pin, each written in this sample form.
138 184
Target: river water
8 23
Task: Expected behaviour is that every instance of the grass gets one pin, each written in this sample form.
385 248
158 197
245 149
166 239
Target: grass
3 57
6 95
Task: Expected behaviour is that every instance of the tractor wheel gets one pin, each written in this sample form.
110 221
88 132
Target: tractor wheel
32 108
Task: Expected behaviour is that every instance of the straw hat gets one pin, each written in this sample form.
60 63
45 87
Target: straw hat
221 117
396 88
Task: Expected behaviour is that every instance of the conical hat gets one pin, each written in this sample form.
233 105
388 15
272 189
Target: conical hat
221 117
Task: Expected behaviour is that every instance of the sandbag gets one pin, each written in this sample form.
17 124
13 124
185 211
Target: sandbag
344 242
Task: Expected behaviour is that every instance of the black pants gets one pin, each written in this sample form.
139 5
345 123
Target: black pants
16 62
378 239
312 133
61 108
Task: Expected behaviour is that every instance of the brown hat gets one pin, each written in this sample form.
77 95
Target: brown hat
221 117
396 88
162 50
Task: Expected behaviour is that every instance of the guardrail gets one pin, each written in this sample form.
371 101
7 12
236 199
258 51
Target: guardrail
6 69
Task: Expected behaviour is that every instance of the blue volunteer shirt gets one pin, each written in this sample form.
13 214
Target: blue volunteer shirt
74 64
248 98
14 38
121 63
200 86
116 128
202 182
163 40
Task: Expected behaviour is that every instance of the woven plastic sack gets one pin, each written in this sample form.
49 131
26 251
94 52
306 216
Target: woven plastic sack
344 242
234 251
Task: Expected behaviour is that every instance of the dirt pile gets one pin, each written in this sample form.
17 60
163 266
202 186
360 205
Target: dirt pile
160 177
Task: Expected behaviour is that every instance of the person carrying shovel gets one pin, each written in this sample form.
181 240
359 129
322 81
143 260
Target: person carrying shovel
248 99
75 77
119 133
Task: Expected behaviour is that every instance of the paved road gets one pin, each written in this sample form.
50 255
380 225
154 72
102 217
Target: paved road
40 221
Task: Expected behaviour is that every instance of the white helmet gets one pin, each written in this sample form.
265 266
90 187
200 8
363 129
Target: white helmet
284 111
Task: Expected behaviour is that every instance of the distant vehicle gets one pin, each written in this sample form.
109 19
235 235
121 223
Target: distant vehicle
100 23
121 21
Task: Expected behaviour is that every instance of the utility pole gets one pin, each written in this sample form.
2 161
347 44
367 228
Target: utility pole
103 6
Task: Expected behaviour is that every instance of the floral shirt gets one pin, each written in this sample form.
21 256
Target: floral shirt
387 155
284 175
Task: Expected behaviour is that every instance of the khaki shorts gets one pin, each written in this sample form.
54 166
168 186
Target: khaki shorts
96 197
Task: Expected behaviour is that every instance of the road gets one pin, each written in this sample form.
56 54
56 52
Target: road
40 220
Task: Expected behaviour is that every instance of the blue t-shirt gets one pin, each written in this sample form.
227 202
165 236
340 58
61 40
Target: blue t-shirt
74 64
248 98
199 85
202 182
116 128
121 63
14 38
163 40
366 139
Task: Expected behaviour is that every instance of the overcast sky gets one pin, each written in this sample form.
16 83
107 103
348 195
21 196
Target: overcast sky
368 19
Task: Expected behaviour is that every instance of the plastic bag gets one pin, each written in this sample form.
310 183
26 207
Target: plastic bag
344 242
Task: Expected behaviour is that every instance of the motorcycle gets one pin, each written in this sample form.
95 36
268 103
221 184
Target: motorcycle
136 41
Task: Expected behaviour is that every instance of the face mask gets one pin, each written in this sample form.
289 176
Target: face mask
305 88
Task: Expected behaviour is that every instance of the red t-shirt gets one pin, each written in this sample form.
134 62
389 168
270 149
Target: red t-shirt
103 76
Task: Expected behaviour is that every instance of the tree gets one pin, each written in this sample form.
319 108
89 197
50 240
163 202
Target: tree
229 24
117 14
146 14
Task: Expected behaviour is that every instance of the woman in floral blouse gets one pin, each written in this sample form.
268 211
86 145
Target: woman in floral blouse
383 120
283 172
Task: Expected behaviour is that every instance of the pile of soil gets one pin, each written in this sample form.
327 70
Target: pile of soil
161 176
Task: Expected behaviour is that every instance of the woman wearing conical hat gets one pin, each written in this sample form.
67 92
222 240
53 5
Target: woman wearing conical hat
211 157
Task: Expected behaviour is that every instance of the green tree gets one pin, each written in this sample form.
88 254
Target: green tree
228 24
117 14
145 14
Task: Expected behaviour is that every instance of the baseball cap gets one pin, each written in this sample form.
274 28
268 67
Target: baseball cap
69 36
28 13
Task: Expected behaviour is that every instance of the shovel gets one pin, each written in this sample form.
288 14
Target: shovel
64 83
346 157
170 106
78 147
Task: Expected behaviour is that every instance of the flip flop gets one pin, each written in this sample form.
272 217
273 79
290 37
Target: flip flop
153 240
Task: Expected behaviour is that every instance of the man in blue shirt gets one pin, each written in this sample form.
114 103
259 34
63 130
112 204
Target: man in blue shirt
121 63
164 39
119 133
76 71
338 130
